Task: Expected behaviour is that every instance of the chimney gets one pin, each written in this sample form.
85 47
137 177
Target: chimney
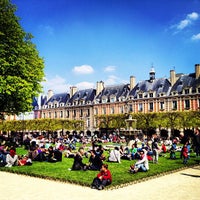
49 94
73 90
99 87
197 70
132 82
172 77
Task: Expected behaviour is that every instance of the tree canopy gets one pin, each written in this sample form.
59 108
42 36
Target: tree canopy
21 67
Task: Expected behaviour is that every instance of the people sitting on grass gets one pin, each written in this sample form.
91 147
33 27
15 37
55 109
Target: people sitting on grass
3 152
103 178
24 160
134 151
51 155
95 162
100 152
68 153
125 153
142 164
36 153
114 155
11 158
78 160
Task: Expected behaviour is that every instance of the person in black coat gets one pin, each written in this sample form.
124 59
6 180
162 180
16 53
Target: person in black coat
78 160
95 161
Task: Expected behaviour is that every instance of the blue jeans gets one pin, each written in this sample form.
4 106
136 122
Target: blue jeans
141 167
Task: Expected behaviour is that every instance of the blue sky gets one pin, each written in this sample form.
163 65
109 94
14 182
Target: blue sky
85 41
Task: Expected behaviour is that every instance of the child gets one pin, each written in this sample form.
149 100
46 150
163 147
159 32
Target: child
103 178
185 154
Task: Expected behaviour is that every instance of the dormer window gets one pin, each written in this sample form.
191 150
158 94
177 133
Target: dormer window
104 100
151 94
140 96
187 91
82 102
112 99
55 105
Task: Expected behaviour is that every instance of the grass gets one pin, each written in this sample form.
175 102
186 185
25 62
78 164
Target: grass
59 171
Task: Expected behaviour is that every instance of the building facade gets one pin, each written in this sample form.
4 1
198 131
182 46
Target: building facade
178 93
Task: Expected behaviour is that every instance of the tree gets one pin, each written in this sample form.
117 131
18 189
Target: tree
146 122
21 68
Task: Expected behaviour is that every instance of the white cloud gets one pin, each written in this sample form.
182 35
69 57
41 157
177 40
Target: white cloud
85 85
112 80
184 23
83 69
193 16
187 21
57 84
196 37
110 69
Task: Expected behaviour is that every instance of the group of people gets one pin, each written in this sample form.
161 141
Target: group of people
150 150
9 157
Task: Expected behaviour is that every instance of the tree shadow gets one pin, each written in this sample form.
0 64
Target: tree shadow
195 176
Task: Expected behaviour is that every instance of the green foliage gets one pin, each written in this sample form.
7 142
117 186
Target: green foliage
21 70
41 125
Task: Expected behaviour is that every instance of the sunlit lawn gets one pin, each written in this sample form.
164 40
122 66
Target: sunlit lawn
60 170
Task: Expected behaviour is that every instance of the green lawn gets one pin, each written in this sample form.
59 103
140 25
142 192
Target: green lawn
120 174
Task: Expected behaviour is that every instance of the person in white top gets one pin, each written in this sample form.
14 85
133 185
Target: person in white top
142 164
114 155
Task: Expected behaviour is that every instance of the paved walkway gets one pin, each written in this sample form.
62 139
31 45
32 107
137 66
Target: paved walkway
182 185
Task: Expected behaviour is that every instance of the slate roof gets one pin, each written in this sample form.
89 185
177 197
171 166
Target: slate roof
35 103
60 98
186 81
83 95
161 85
117 91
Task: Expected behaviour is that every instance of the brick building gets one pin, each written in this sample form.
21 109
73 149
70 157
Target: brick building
178 93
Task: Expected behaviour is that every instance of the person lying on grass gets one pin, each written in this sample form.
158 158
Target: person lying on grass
102 179
142 164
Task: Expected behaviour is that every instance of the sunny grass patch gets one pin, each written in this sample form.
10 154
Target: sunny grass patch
60 170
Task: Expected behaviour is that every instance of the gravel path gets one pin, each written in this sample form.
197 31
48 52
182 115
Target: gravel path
183 185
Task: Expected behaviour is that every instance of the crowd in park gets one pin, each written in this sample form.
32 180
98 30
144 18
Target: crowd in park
43 149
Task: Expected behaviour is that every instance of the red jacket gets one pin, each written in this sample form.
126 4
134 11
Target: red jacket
185 152
105 175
